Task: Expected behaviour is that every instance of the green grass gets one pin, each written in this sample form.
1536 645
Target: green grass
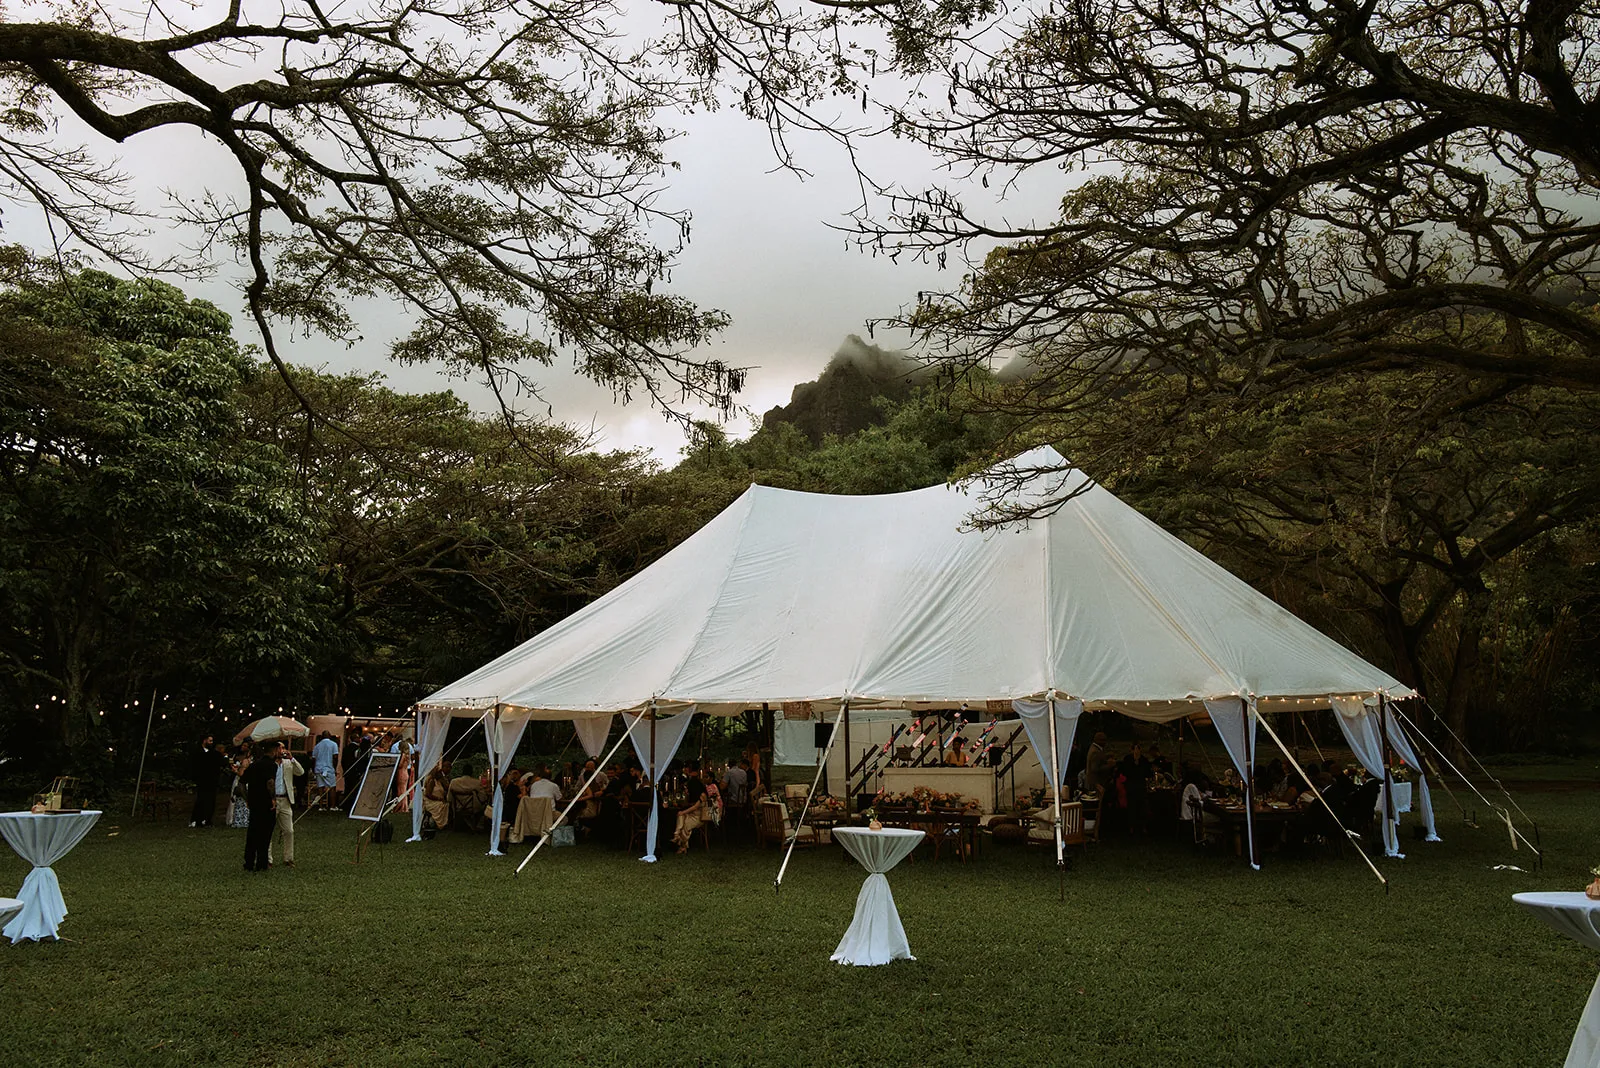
434 954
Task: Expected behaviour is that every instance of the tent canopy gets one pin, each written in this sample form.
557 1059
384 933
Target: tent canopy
892 601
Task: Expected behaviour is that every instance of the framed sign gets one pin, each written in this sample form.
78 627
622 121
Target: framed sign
375 786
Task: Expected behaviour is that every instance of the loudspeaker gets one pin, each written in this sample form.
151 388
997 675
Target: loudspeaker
820 733
996 756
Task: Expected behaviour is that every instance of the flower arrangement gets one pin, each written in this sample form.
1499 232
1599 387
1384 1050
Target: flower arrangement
1593 889
925 799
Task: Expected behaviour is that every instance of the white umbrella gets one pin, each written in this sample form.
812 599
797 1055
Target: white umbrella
271 729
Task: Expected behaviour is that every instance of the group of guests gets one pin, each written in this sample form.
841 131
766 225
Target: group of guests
264 783
605 801
1123 784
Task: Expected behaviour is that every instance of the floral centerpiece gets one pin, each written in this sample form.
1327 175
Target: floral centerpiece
1593 889
828 804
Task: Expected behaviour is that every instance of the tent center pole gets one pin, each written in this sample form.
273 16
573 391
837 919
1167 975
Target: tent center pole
849 787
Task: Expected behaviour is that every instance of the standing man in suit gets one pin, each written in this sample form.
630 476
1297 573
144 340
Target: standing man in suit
207 768
287 769
258 780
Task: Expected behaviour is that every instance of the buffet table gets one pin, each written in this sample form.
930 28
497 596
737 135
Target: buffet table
1578 917
875 934
42 839
977 783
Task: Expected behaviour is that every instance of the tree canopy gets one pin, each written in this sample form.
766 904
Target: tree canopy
1257 195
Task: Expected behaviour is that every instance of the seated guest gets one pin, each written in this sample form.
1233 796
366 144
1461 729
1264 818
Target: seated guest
539 784
510 798
1289 790
436 795
956 755
587 814
693 812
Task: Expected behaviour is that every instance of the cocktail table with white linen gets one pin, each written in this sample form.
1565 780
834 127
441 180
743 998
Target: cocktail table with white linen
42 839
875 935
1578 917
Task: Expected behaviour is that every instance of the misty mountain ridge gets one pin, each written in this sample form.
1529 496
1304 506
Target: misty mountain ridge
843 399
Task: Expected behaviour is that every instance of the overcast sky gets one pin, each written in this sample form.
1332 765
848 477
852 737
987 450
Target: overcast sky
762 251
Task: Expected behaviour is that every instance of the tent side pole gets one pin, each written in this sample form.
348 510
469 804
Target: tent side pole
833 736
849 787
139 779
1349 837
1392 824
1249 783
1055 791
571 804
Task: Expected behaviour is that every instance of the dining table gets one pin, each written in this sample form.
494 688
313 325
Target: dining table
42 839
1577 916
1271 819
875 935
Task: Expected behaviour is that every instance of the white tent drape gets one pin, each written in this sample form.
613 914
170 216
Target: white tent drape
1236 725
592 732
502 733
670 731
430 747
1402 745
1034 721
1360 727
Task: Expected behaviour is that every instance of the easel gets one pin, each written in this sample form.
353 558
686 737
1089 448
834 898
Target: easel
372 802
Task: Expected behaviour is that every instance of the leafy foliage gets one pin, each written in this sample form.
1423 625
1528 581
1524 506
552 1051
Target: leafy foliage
143 531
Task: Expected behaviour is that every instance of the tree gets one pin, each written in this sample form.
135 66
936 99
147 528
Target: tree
1269 194
1399 511
445 537
141 532
489 166
493 166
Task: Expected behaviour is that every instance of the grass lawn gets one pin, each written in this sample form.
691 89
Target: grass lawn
433 954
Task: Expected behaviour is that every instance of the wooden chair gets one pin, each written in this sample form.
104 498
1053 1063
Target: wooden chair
150 804
1073 832
776 828
1093 812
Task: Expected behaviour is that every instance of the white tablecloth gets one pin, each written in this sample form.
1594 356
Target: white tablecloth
1578 917
875 935
42 839
1402 798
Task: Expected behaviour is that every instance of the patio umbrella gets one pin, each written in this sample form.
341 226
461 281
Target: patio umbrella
271 729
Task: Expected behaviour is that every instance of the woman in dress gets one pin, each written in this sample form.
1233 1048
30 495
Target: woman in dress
403 781
238 809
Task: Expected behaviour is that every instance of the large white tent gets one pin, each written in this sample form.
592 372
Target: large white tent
894 600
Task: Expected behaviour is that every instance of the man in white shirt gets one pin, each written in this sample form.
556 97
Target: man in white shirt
736 784
283 803
542 786
324 759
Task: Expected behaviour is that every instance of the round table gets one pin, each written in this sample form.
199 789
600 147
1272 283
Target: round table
875 935
1577 916
42 839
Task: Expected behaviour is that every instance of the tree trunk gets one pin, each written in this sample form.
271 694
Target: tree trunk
1402 638
1464 666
